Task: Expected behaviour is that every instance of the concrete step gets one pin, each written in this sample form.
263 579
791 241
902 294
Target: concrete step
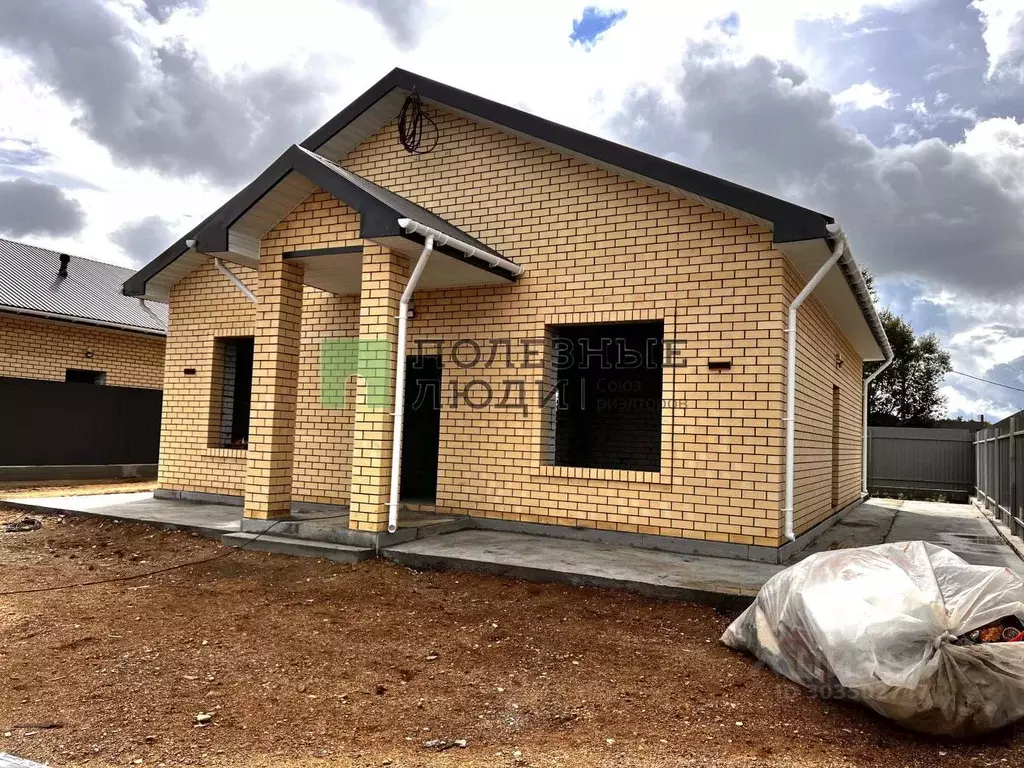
727 584
285 545
336 531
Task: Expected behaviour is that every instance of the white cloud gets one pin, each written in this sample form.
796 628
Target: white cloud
1004 24
864 96
959 403
522 56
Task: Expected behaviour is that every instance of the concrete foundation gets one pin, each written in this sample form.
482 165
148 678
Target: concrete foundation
284 545
209 520
77 471
677 545
725 583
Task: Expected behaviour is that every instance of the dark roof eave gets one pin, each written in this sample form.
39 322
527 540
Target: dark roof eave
377 219
790 222
455 253
79 320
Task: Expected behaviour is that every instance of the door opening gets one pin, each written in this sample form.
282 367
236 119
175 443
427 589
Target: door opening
835 446
421 428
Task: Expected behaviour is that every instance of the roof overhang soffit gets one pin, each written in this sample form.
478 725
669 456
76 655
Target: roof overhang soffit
277 190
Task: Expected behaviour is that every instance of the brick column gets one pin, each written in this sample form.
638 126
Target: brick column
275 370
384 278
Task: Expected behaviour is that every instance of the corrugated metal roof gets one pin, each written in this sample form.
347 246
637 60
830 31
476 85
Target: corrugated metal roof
91 292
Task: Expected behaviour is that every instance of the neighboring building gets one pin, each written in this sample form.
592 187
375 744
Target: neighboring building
64 318
972 425
544 239
64 323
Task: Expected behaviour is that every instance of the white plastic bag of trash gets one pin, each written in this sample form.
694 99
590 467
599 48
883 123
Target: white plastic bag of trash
881 625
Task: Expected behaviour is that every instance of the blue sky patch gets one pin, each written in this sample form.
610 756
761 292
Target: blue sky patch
592 24
730 25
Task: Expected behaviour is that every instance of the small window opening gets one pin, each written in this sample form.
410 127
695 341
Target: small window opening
80 376
235 391
608 403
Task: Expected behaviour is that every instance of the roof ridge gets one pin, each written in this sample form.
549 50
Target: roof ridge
72 255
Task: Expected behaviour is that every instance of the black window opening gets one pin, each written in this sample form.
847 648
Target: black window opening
608 403
236 391
80 376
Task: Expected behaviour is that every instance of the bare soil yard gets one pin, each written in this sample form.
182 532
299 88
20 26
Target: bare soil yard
310 663
21 488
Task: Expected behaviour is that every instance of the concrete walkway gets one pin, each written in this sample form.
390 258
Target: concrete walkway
714 580
210 520
962 528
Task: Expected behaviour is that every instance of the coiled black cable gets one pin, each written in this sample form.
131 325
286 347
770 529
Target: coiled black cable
411 123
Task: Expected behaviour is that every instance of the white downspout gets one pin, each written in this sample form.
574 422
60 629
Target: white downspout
403 323
864 438
837 251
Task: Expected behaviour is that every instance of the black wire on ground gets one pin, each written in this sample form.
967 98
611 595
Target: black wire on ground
411 123
114 579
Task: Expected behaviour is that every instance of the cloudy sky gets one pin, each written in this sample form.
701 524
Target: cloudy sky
123 122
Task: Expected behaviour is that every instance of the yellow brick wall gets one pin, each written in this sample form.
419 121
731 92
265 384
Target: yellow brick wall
323 436
601 248
36 348
819 341
205 305
598 248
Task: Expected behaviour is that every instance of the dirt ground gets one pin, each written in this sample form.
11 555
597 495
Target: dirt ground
20 488
310 663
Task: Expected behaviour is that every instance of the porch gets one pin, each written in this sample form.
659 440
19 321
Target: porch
578 557
308 523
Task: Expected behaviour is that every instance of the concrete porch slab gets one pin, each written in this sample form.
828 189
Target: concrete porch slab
725 582
315 525
718 581
284 545
210 520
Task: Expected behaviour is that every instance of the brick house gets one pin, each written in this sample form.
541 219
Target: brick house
65 323
63 318
595 340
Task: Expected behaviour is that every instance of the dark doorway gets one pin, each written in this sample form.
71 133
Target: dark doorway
421 428
835 446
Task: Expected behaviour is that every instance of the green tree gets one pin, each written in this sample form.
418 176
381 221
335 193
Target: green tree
906 394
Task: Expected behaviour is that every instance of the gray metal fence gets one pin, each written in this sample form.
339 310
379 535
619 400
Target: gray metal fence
921 462
1000 469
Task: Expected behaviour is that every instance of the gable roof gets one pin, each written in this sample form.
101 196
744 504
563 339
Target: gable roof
381 103
799 232
242 217
91 292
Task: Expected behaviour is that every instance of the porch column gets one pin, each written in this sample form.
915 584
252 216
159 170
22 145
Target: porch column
275 370
383 280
